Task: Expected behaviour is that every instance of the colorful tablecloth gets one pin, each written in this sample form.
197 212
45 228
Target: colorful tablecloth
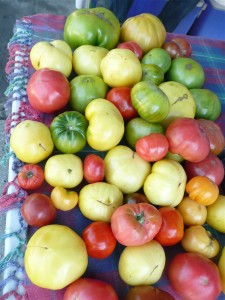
29 30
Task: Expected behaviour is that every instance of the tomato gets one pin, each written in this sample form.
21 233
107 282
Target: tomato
150 101
214 134
215 214
187 71
138 128
90 289
193 213
133 46
202 189
144 292
54 250
211 167
152 147
68 131
158 57
194 277
85 88
135 198
48 90
94 168
63 199
135 224
120 97
198 239
178 47
99 239
208 105
31 176
172 229
38 210
187 138
153 73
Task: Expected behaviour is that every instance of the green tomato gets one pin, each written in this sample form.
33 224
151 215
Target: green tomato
153 73
158 57
85 88
68 131
137 128
151 103
187 71
92 26
208 105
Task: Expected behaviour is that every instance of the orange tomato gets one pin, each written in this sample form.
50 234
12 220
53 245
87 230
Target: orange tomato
202 190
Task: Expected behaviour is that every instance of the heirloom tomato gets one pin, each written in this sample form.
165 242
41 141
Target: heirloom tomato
90 289
135 198
99 239
120 97
202 189
94 168
172 230
214 134
194 277
197 239
31 176
48 90
64 199
96 26
141 220
144 292
187 138
215 214
153 73
208 105
133 46
38 210
187 71
152 147
158 57
178 47
68 131
211 167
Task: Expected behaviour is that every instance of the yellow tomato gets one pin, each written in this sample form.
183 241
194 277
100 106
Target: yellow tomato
55 256
145 29
221 266
63 199
215 214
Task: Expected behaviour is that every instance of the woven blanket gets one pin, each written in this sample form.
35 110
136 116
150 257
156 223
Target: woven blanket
27 31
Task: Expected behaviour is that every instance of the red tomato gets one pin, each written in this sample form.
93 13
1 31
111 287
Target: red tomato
133 46
48 90
31 177
90 289
172 229
178 47
211 167
152 147
135 198
120 97
187 138
135 224
145 292
194 277
99 239
94 168
38 210
214 134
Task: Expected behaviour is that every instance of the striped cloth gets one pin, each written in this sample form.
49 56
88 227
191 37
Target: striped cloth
31 29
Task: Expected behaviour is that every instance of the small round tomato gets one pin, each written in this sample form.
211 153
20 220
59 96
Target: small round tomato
172 229
89 288
94 168
135 224
143 292
133 46
64 199
31 176
202 189
152 147
120 97
99 239
38 210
